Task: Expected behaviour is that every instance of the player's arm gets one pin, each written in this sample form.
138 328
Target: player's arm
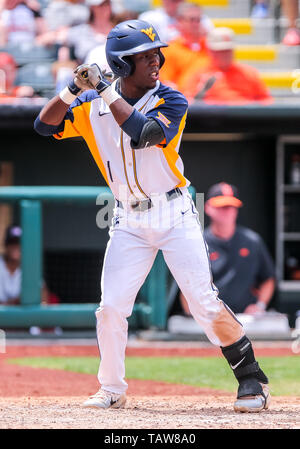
52 116
265 291
142 130
54 112
11 302
264 294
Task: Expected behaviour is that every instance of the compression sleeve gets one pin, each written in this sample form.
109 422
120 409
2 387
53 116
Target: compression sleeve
47 130
144 132
134 124
152 134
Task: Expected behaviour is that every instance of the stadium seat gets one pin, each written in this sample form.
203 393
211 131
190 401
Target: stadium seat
28 52
258 43
226 8
39 76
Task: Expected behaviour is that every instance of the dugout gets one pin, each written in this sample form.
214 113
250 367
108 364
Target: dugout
250 146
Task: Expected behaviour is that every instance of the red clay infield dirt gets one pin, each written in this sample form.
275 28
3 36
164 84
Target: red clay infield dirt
45 398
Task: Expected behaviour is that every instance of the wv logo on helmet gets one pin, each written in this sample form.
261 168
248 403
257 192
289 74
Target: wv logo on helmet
149 33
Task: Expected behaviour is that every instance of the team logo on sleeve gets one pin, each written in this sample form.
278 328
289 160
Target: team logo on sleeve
149 33
163 119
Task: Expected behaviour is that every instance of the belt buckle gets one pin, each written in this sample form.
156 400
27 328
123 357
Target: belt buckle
135 205
141 206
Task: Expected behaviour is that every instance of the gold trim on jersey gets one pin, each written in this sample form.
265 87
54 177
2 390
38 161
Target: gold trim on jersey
133 159
171 154
82 119
161 101
124 161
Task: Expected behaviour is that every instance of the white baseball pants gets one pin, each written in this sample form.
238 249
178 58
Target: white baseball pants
172 226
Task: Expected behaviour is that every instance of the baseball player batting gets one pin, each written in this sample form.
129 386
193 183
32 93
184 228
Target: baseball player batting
133 128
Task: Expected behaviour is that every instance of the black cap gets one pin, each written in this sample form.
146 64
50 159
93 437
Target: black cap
223 194
13 235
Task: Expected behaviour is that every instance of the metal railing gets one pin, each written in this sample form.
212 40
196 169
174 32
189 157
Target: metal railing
30 312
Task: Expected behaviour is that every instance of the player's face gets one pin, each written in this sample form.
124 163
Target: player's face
13 252
223 59
190 24
226 215
171 6
146 69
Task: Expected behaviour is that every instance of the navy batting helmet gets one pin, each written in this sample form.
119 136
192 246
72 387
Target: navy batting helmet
129 38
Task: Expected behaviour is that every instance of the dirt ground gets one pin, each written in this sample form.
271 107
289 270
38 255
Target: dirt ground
34 398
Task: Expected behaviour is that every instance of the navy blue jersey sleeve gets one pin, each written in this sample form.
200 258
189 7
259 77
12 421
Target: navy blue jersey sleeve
66 127
71 126
170 114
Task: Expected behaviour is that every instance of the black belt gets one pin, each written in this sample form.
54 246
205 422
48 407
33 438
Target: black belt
141 206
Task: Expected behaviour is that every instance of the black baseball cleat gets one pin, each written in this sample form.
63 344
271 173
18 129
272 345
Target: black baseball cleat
253 403
253 392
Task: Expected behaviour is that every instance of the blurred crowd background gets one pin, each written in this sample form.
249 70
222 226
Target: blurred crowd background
231 52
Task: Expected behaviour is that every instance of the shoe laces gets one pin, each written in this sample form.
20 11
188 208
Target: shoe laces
103 394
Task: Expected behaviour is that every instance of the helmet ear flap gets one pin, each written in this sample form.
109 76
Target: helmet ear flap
129 61
161 58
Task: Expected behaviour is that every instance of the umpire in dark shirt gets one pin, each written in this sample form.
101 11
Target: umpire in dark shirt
242 267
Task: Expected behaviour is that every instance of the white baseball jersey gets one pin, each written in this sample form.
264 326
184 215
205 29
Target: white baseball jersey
132 174
170 224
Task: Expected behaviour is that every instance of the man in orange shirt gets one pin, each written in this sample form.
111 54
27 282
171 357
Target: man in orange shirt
189 47
224 81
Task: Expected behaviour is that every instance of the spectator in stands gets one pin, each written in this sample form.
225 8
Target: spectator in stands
290 9
63 68
164 19
222 80
65 13
242 267
8 73
260 9
20 21
10 271
188 48
97 54
85 36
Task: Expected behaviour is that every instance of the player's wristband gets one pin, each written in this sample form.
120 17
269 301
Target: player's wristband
109 95
66 96
261 305
70 92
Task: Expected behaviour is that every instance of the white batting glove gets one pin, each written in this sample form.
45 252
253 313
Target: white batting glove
90 76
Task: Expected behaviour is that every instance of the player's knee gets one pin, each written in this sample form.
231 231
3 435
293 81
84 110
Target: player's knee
205 305
110 315
206 299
